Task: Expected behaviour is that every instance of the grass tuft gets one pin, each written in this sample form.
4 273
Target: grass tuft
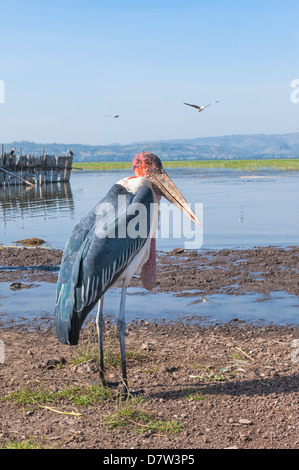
140 421
26 444
84 396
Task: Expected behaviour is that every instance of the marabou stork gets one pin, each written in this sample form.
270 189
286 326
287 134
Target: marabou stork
201 108
101 253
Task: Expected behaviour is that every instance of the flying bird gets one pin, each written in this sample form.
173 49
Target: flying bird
104 251
114 115
201 108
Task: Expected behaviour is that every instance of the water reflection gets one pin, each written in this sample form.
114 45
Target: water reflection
20 202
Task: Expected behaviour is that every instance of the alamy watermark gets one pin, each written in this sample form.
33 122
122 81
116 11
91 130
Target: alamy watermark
295 93
2 92
135 220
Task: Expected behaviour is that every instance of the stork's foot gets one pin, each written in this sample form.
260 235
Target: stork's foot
123 389
125 393
107 384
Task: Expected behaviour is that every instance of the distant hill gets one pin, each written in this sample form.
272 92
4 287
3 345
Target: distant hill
205 148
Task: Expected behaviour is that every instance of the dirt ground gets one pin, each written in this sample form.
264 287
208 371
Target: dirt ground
200 387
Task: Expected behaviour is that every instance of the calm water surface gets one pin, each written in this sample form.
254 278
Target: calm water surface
240 209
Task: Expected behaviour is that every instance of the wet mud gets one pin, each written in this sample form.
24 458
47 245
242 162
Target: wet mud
258 270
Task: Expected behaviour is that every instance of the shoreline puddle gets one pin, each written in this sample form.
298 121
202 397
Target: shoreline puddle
31 306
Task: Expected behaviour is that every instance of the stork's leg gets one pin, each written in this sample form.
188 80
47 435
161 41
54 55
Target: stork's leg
100 328
121 327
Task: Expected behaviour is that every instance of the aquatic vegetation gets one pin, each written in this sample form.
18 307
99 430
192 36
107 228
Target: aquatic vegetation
250 164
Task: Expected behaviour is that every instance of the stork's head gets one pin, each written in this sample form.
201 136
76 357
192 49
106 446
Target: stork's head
145 162
149 166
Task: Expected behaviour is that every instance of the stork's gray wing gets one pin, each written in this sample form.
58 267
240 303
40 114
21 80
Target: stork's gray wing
95 256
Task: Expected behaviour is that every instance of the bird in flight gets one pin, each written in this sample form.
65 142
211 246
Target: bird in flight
201 108
114 115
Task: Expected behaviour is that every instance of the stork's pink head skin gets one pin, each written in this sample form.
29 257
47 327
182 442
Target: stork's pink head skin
145 161
149 166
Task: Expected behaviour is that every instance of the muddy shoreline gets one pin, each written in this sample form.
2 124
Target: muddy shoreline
260 270
226 386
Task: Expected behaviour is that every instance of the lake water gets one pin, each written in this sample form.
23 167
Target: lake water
240 210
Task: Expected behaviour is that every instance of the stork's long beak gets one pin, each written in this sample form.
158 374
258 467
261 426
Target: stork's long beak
166 187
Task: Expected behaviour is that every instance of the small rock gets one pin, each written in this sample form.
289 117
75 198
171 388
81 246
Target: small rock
52 363
168 369
244 437
176 251
244 421
20 285
87 367
148 346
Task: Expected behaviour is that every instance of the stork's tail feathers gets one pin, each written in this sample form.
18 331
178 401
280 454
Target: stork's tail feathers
68 320
67 328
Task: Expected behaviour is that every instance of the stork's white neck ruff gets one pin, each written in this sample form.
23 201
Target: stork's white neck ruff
134 183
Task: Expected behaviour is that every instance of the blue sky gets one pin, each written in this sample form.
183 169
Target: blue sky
67 64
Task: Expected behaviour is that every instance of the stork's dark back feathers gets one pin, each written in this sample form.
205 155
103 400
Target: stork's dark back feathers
91 263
